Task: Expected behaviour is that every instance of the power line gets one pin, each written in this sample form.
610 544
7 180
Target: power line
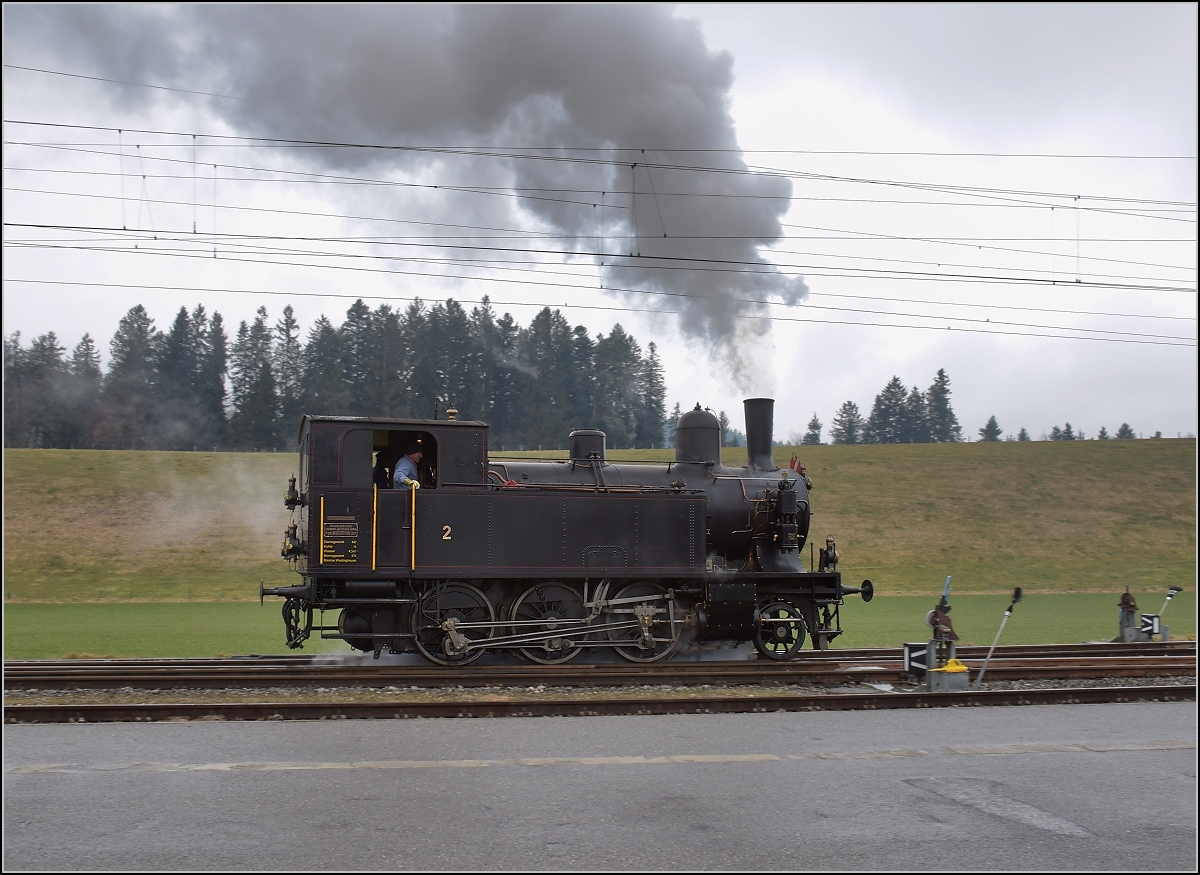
972 305
1128 336
860 236
686 150
493 152
1072 200
567 305
653 262
534 192
122 82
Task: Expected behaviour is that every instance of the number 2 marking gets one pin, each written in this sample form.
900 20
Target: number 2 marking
445 533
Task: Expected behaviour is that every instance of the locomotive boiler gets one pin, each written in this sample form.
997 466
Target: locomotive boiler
551 559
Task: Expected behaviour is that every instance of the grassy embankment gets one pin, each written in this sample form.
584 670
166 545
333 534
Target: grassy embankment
125 537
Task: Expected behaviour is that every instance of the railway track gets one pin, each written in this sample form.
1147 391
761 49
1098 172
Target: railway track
151 712
818 667
311 688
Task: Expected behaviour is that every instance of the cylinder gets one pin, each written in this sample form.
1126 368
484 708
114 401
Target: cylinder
760 422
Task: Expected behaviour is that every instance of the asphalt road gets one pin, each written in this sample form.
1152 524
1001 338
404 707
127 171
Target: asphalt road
1033 788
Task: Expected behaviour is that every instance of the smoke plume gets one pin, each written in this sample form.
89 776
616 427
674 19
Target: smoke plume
603 100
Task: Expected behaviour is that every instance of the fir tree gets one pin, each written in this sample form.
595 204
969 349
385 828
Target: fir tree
255 421
1125 433
287 358
127 395
450 350
582 385
914 419
509 382
651 411
812 437
943 424
177 404
673 423
485 358
887 414
14 398
723 421
211 392
82 399
547 350
617 358
991 430
848 425
420 363
355 334
34 383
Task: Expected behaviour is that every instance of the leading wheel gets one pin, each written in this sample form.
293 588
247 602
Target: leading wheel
779 633
649 634
547 608
440 641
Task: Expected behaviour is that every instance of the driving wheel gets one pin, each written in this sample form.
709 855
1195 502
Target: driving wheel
461 603
546 608
779 633
649 634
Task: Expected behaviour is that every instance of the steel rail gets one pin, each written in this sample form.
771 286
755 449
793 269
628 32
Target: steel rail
963 651
110 713
236 673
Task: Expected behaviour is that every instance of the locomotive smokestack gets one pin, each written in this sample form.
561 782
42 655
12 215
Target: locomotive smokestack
760 421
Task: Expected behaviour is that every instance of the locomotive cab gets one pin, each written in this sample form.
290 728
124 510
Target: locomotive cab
344 451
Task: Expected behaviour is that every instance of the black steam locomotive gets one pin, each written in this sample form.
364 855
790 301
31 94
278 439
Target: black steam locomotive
551 559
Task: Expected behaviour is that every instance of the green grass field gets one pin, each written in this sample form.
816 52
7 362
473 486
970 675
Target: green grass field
160 554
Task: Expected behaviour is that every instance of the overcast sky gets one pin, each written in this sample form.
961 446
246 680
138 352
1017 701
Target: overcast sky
823 196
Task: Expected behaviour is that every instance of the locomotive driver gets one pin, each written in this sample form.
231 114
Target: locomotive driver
406 476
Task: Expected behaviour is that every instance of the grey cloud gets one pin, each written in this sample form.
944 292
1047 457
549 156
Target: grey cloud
994 69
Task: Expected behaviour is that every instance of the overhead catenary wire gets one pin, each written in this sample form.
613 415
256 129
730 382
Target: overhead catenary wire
468 253
859 235
518 192
320 179
607 159
1166 340
681 263
570 306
